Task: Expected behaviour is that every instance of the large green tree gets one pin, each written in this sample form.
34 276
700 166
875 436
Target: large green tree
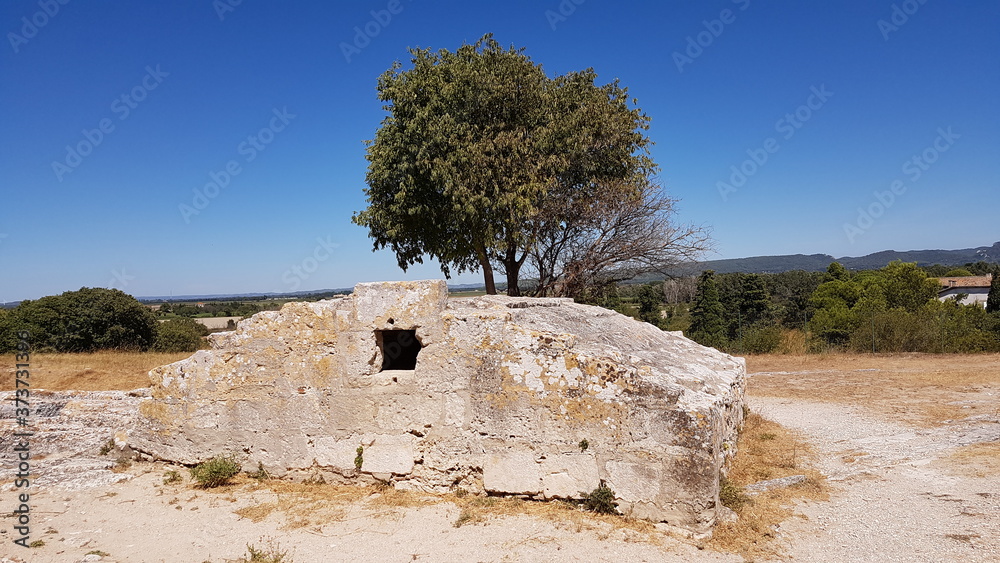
650 299
708 323
993 298
483 155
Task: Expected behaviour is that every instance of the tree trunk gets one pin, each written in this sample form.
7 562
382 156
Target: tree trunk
484 261
512 273
513 267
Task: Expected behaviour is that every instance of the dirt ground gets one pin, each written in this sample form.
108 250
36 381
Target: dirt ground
909 446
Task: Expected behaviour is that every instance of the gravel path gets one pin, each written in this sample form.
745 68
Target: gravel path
894 497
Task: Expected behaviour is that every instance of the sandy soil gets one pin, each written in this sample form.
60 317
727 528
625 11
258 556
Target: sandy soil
902 488
143 520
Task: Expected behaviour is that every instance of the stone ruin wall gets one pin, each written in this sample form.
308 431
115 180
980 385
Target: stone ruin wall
502 395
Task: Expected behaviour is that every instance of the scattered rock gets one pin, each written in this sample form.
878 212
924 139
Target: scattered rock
727 515
762 486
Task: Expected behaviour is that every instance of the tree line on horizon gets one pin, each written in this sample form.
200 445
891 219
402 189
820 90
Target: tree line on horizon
892 309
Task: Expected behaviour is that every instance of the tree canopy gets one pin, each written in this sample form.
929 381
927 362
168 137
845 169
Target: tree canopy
483 161
82 321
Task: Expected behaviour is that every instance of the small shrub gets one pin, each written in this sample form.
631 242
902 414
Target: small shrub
584 444
216 471
315 480
730 495
766 436
171 476
122 464
107 447
37 543
272 553
359 460
261 474
601 500
464 517
99 553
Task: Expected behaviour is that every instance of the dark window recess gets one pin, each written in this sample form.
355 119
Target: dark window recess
399 348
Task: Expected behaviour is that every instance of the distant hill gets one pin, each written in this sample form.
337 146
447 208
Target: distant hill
749 265
819 262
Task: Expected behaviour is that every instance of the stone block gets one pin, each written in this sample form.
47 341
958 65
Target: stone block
389 454
512 473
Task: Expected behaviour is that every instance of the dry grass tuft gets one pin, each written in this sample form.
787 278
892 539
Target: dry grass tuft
307 505
793 342
919 389
976 460
99 371
765 450
563 514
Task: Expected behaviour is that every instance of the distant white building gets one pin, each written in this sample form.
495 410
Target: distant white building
975 288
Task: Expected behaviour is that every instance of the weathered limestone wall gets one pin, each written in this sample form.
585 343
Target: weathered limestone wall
504 391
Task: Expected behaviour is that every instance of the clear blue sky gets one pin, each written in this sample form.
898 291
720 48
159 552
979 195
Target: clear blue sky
196 86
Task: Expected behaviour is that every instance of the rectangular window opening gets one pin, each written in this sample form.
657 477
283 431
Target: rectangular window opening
399 348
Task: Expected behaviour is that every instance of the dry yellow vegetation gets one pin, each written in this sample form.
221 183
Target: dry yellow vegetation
99 371
919 389
765 450
975 460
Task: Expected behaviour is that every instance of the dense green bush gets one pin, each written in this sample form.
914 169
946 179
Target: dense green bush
760 339
601 500
81 321
216 471
946 327
179 335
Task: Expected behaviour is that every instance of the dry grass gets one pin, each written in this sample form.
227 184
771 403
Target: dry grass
99 371
563 514
976 460
310 505
313 505
793 342
766 450
921 389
